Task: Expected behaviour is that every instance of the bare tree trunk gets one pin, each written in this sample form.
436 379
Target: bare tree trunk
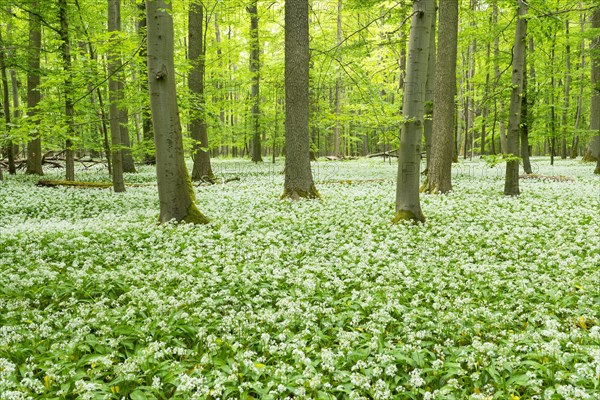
408 205
198 129
338 89
565 118
524 125
511 181
34 146
147 134
175 190
68 89
552 103
439 178
298 175
114 64
595 102
255 72
7 117
429 94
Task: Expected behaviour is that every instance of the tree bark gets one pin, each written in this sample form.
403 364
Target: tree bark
147 134
429 94
68 89
7 117
34 145
524 125
338 88
567 85
198 129
439 178
175 190
255 72
511 179
408 206
298 175
114 64
595 102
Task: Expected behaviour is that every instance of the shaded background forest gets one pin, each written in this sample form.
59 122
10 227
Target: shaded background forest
358 61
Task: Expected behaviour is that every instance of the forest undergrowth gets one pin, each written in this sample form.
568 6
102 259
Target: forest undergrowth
493 297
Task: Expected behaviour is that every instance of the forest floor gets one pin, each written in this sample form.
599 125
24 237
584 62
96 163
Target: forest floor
492 298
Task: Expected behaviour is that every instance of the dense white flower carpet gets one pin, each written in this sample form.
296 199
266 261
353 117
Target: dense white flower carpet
492 298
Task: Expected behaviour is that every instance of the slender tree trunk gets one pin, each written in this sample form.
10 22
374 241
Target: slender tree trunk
429 94
485 103
583 83
34 146
68 89
511 182
408 205
255 72
524 125
198 129
128 164
7 117
147 134
565 118
499 115
338 88
552 103
175 191
298 175
595 102
439 178
114 64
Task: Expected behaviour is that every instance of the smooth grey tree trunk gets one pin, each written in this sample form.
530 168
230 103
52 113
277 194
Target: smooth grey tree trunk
202 169
255 89
524 125
114 64
175 190
429 94
68 89
439 178
595 102
567 94
147 134
298 175
408 205
7 117
10 151
511 178
128 164
338 88
34 145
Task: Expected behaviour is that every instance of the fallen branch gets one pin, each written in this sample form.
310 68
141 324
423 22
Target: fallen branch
559 178
75 184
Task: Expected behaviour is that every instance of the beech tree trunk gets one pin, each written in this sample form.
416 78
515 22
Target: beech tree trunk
114 64
429 94
439 178
298 175
6 103
68 89
565 111
595 102
338 88
198 129
175 190
255 90
511 179
408 206
524 125
147 134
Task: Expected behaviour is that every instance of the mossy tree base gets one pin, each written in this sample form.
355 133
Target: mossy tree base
406 215
194 216
297 194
